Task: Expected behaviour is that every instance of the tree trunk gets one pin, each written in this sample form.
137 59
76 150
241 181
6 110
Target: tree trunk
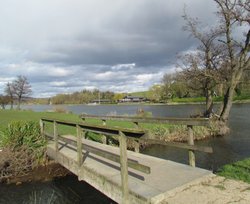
228 97
227 104
11 104
19 104
209 103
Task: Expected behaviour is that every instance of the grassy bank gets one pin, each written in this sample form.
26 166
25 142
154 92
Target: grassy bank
239 170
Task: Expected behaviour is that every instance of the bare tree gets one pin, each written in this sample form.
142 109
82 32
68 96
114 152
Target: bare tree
4 100
9 91
201 66
223 56
234 14
21 88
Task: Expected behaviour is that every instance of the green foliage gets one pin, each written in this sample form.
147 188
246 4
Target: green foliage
24 133
81 97
239 170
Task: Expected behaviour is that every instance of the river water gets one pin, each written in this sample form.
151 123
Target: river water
227 149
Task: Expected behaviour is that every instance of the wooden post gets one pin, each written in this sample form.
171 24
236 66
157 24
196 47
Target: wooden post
42 126
104 139
79 145
136 146
124 167
104 122
56 136
191 142
137 125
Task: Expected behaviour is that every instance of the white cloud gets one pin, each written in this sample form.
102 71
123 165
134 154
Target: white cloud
123 66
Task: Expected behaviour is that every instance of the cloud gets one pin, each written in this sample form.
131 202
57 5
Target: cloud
116 45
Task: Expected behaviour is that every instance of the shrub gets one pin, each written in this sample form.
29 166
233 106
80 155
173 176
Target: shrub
24 134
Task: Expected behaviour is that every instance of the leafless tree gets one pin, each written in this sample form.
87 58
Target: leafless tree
200 68
21 88
234 15
4 100
223 55
9 91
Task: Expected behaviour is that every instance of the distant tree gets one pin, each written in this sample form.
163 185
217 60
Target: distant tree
9 91
21 88
173 86
4 100
155 92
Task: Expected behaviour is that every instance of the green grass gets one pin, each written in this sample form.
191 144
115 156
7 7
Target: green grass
239 170
161 131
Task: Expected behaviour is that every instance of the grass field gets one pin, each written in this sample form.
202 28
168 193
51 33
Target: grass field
239 170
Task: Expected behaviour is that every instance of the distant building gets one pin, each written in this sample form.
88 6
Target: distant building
132 99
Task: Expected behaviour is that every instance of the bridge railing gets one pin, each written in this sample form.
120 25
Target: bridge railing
189 122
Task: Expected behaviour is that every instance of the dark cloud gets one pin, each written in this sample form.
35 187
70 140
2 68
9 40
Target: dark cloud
122 45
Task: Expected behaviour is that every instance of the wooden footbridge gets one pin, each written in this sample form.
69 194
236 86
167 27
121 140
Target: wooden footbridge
124 176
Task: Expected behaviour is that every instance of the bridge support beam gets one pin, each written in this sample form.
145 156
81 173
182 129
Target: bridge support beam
124 168
191 142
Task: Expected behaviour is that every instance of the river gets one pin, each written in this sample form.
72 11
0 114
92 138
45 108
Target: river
227 149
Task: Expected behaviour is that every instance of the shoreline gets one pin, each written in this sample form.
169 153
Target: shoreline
143 104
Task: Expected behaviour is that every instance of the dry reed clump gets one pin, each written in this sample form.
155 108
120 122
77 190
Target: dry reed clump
14 163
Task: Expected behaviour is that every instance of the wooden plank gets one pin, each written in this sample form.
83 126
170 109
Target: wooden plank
79 145
124 168
163 120
107 155
56 136
191 142
177 144
42 127
113 131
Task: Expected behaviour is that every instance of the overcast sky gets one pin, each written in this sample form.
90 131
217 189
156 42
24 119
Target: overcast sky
63 46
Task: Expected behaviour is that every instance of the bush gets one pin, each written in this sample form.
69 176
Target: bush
24 134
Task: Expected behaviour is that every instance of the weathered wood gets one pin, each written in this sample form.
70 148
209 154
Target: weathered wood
165 120
107 155
124 168
136 146
136 125
104 122
42 127
177 144
79 133
100 129
104 139
191 142
56 136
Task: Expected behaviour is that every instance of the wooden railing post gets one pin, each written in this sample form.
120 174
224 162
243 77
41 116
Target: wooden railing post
56 136
136 146
136 125
124 167
42 126
104 122
79 132
191 142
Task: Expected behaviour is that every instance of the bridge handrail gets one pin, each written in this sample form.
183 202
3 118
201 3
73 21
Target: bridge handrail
163 120
113 131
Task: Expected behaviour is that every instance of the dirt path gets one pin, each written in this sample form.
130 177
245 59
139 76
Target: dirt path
215 189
